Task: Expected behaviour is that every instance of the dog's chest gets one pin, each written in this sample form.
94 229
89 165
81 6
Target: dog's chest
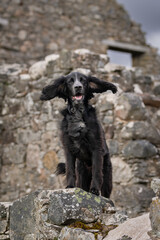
77 132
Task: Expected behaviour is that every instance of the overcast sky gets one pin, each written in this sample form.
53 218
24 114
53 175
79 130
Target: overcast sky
147 13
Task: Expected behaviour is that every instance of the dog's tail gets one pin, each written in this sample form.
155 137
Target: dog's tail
61 169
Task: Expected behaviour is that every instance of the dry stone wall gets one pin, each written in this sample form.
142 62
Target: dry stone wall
30 137
30 30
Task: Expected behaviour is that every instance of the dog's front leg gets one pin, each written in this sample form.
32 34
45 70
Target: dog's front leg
97 173
70 170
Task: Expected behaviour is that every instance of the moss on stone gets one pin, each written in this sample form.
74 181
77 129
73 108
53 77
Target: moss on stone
103 229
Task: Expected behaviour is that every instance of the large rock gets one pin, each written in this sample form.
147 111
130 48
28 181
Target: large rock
140 130
155 211
4 220
42 214
132 198
132 229
83 58
78 234
139 149
69 205
130 107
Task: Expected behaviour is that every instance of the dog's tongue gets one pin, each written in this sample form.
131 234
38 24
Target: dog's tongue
77 97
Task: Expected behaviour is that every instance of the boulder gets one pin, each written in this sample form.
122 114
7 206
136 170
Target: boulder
4 220
139 149
42 214
132 229
130 107
140 130
155 211
84 58
78 234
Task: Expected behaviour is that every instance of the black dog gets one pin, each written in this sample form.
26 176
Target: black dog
88 164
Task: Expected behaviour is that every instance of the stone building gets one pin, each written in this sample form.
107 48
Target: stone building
30 30
29 129
30 137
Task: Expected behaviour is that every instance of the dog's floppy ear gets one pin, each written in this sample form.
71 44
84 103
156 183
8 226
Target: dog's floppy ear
98 86
56 89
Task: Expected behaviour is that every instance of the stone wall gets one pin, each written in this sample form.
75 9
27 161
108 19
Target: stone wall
30 137
31 30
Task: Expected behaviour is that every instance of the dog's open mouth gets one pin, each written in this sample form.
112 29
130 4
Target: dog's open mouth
78 97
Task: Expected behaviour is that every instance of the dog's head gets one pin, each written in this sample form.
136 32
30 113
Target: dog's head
76 87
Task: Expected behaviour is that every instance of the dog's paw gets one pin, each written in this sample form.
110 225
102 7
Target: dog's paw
70 186
114 89
94 191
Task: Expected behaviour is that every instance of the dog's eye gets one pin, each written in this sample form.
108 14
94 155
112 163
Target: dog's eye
71 80
81 79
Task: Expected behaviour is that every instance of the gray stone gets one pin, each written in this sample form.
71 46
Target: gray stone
135 229
155 185
13 153
122 172
83 58
139 149
140 130
114 219
130 107
111 67
4 218
3 226
76 204
4 22
22 217
155 216
78 234
32 156
37 70
134 198
41 214
146 82
113 147
4 237
156 90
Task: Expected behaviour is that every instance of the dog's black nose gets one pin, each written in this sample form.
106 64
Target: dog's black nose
78 87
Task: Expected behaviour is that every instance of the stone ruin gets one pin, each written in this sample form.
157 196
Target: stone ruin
31 30
29 129
75 214
30 139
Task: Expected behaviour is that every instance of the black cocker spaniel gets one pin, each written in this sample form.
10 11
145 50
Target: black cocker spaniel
88 164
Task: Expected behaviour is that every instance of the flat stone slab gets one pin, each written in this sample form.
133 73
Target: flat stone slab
132 229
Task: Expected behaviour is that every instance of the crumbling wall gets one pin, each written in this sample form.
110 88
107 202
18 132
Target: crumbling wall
30 30
30 137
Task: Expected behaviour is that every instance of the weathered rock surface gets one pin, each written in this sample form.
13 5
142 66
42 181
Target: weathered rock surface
30 145
132 229
141 130
139 149
130 107
4 220
155 211
42 214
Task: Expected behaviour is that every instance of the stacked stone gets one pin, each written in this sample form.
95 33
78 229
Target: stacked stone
155 211
4 220
30 30
30 135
